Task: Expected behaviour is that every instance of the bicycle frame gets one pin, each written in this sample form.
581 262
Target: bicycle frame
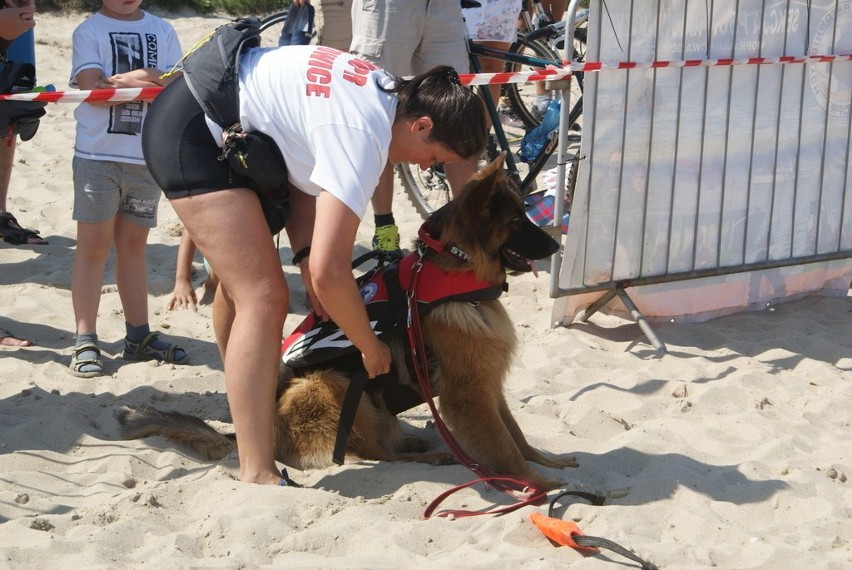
475 51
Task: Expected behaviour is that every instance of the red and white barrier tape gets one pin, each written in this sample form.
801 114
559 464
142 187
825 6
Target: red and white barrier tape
590 66
118 95
555 73
718 62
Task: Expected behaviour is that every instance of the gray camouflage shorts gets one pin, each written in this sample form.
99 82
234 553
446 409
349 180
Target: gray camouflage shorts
103 189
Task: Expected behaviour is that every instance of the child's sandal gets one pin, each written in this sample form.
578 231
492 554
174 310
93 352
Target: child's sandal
142 350
86 367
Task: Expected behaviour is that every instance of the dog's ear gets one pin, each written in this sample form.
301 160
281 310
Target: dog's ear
486 180
490 172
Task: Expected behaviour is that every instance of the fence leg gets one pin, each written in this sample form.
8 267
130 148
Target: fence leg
597 305
640 320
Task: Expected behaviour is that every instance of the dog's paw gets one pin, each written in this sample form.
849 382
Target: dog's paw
551 484
443 459
556 462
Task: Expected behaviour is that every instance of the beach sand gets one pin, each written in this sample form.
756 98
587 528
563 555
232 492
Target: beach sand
731 451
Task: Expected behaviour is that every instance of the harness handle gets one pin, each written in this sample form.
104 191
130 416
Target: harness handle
348 409
567 533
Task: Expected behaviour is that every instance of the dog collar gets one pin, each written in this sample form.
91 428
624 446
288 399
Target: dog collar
438 246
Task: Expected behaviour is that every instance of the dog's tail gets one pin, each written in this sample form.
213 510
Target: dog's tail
179 428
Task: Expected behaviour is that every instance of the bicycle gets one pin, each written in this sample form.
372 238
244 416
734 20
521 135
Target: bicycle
428 190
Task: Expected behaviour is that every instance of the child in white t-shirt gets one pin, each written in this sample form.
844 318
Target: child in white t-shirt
115 198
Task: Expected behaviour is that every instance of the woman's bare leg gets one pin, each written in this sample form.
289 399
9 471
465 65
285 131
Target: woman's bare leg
249 311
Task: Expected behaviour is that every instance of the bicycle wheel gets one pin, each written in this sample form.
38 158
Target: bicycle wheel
427 189
522 96
271 27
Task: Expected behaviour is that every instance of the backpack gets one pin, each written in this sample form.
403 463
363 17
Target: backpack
211 68
19 117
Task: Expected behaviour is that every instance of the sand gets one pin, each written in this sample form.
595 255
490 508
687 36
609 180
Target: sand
731 451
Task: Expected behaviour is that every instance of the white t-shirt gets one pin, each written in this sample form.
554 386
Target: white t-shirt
325 110
118 46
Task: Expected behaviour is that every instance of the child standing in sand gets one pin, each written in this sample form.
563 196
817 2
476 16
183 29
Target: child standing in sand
115 198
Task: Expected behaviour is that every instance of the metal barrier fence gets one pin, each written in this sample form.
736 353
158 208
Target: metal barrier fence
716 140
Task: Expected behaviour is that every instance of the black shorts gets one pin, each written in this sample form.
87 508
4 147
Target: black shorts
182 154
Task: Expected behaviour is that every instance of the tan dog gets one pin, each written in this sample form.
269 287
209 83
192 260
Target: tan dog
470 348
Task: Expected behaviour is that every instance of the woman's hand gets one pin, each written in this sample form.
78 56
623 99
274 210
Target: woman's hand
378 360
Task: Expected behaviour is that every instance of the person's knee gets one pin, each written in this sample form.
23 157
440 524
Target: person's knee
93 256
135 243
266 299
277 300
93 246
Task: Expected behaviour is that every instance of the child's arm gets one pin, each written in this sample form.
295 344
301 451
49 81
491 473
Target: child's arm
92 78
183 296
145 77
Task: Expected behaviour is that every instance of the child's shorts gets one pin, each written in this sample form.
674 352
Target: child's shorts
104 188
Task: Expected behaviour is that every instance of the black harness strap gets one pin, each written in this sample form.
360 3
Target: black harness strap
357 383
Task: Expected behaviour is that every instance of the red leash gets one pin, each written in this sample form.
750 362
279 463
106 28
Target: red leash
527 492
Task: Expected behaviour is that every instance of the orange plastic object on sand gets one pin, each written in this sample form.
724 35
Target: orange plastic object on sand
559 531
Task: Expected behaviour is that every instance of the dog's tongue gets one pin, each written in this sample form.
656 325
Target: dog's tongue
533 266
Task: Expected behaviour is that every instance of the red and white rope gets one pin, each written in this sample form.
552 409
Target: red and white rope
553 73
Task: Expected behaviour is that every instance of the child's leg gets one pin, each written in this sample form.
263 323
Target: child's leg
87 275
87 272
96 198
137 215
131 270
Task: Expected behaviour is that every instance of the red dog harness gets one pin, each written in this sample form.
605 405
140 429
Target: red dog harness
384 291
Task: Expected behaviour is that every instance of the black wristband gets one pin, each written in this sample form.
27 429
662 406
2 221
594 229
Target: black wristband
301 254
